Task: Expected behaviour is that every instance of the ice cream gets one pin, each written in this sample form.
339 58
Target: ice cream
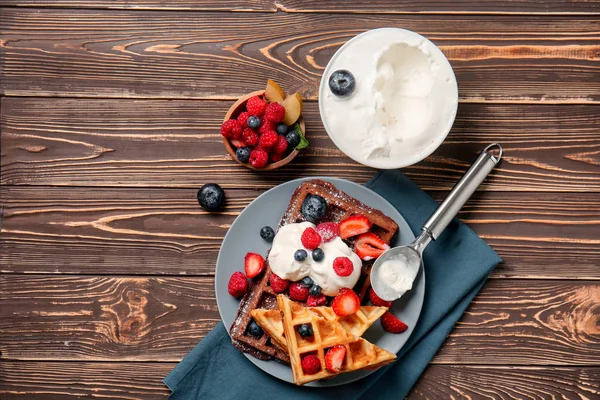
282 262
399 273
404 100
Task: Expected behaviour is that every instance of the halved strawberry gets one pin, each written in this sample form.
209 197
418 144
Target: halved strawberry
253 264
354 225
334 359
345 303
369 246
391 324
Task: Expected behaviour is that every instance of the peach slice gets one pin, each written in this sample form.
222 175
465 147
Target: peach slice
293 108
274 93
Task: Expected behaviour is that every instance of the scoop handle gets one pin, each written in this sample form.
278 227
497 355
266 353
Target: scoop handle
462 191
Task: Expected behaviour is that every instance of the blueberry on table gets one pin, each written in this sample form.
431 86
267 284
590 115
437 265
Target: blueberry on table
253 122
243 154
211 196
307 281
293 139
318 255
314 208
255 330
341 83
267 233
300 255
282 128
305 330
315 290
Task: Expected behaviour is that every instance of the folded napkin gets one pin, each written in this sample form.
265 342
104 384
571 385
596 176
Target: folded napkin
456 267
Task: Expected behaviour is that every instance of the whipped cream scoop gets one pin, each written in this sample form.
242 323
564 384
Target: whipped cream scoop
395 270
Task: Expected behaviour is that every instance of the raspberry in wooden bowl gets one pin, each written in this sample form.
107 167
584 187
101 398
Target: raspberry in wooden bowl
265 130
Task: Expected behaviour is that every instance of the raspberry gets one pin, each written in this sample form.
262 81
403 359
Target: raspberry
238 284
256 106
298 292
343 266
311 239
310 364
274 112
277 284
259 158
249 137
268 139
266 126
328 231
276 157
376 301
316 301
227 127
236 129
243 119
280 146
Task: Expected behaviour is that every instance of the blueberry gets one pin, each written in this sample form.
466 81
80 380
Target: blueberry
253 122
267 233
300 255
243 154
315 290
314 208
318 255
211 196
305 330
341 83
282 128
255 330
293 139
307 281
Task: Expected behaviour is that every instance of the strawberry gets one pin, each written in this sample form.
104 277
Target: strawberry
237 143
354 225
310 239
256 106
334 359
316 301
298 292
391 324
328 231
343 266
311 364
345 303
243 118
376 301
253 264
238 284
369 246
278 284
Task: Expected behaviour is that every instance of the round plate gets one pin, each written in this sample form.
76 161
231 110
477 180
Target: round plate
267 209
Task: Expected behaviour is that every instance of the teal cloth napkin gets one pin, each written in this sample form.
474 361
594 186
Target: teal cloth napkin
456 267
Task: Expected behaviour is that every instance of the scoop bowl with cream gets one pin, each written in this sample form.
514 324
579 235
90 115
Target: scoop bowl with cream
403 100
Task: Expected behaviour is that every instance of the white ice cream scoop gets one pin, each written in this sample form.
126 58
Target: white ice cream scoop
395 270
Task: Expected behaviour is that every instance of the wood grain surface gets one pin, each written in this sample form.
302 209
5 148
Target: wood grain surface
137 381
165 232
161 319
146 143
131 54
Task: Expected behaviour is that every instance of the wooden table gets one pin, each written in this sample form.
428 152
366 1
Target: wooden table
110 124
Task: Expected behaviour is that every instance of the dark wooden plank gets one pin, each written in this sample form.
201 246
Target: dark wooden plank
164 231
92 142
143 381
161 319
216 55
380 6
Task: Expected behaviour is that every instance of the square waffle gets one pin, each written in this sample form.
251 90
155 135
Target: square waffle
339 207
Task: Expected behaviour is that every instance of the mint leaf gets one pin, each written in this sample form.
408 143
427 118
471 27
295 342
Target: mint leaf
303 141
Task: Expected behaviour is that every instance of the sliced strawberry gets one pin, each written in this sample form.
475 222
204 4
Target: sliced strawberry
345 303
334 359
354 225
377 301
369 246
254 264
391 324
237 143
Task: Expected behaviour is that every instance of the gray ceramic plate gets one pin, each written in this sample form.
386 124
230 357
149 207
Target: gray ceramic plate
267 209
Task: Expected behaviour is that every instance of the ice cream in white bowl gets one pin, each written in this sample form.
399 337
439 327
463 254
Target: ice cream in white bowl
388 98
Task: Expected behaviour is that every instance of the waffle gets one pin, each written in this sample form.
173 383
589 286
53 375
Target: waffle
339 207
357 324
326 334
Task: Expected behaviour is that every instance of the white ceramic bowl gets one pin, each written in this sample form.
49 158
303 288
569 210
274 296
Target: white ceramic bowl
423 105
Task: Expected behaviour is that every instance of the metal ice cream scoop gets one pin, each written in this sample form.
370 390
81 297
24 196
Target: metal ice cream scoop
395 270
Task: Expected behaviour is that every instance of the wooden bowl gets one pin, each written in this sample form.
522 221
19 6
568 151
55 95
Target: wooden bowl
240 106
